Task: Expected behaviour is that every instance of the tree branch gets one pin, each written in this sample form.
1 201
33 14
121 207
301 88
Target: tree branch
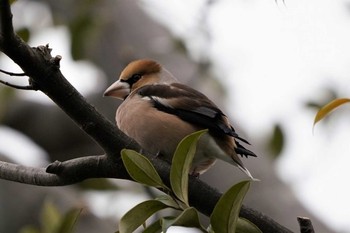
12 74
28 87
44 74
64 173
6 20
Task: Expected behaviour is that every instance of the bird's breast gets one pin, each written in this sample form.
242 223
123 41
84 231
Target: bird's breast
154 130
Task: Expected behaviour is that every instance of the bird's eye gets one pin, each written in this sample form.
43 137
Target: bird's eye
134 78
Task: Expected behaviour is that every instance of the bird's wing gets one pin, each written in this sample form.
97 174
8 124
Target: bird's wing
189 105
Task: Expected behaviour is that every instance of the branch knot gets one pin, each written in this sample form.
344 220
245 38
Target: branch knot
56 61
55 168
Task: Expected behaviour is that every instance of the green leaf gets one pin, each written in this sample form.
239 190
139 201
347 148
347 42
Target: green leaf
83 30
69 220
50 217
245 226
24 33
276 142
135 217
225 214
6 94
188 218
169 201
326 109
141 169
155 227
181 164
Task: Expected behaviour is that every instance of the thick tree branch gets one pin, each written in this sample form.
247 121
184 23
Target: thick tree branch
44 74
64 173
26 175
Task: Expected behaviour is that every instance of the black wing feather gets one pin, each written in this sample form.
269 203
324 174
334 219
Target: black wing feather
203 113
241 150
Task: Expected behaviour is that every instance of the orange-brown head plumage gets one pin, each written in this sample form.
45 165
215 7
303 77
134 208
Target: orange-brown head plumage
138 74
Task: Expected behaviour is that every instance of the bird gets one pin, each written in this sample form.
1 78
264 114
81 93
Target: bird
158 112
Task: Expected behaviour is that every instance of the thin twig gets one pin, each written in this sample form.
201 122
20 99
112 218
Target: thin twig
28 87
12 74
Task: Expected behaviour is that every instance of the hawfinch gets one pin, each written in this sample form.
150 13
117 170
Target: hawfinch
158 112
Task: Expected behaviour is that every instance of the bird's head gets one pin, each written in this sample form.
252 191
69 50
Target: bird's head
138 74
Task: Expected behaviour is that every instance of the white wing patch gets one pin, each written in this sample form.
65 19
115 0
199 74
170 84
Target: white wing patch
162 101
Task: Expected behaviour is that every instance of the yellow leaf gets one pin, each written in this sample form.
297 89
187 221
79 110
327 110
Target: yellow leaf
325 110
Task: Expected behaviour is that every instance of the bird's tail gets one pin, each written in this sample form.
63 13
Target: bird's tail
246 171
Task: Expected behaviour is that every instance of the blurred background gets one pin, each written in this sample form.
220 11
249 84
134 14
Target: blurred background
268 64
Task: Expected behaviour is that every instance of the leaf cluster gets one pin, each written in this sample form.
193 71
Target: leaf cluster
225 217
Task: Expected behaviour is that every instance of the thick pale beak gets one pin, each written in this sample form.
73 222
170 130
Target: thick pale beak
118 90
